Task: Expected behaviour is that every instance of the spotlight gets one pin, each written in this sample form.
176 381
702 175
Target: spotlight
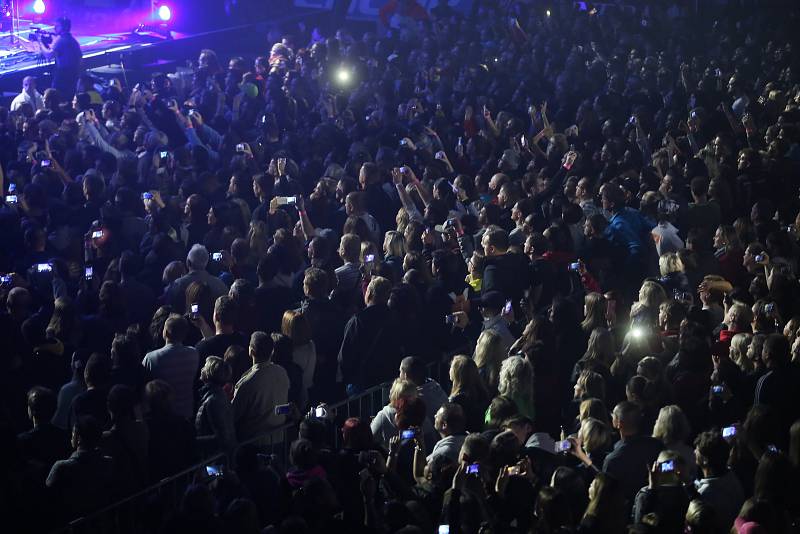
39 7
164 13
637 332
343 75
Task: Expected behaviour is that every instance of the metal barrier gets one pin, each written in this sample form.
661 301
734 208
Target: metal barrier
146 510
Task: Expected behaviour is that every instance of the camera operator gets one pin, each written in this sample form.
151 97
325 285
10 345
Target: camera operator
66 52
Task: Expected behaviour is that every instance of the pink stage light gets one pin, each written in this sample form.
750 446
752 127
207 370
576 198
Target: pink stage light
39 7
164 13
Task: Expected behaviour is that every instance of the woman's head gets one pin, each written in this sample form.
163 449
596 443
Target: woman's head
215 371
594 311
411 412
594 408
594 434
740 343
356 434
401 389
516 377
670 263
394 244
489 353
464 376
651 294
600 347
296 327
671 426
590 385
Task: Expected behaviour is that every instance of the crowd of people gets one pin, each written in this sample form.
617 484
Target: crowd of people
588 220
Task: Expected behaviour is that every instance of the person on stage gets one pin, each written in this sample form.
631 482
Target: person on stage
66 52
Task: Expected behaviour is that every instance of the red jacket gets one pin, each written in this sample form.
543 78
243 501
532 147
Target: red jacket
414 11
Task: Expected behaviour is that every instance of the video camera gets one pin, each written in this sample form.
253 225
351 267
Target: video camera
39 35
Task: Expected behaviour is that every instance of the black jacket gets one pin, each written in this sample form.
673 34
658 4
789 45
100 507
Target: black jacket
371 349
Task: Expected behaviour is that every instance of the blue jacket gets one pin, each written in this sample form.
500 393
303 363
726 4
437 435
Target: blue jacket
629 230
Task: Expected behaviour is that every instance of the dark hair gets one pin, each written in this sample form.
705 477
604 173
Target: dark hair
302 454
261 346
42 403
88 431
98 370
714 450
410 412
356 434
226 310
121 401
415 369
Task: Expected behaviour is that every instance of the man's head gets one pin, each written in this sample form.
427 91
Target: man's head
711 453
41 404
121 402
350 248
261 347
225 313
197 258
369 174
29 85
315 283
413 369
626 418
449 419
62 26
354 203
491 303
775 353
583 190
378 291
612 197
86 433
521 426
699 186
175 329
494 241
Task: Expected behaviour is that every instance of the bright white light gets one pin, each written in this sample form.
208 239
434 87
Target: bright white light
547 12
39 7
343 75
637 332
164 13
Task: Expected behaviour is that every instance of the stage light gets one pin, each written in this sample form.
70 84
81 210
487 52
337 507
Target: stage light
547 12
164 12
39 7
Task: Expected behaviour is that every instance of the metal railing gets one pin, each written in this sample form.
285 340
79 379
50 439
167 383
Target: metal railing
146 510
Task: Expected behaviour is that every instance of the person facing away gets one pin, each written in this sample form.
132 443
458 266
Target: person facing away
82 483
264 386
175 364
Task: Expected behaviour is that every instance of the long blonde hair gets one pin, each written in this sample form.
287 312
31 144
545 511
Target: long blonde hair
465 378
394 244
671 426
489 354
516 379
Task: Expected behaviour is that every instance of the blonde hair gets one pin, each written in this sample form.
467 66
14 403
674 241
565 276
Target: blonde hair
594 434
594 408
296 327
671 426
466 378
215 371
651 294
394 244
516 379
489 353
670 263
592 384
368 247
738 351
401 389
595 305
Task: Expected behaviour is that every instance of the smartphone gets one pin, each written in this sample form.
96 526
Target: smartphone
320 412
97 234
45 163
512 470
444 529
283 409
769 307
163 154
563 445
5 279
216 256
716 390
575 266
408 434
369 258
195 311
213 470
88 272
450 319
147 195
667 466
44 267
473 469
282 201
12 187
728 431
508 307
759 258
11 199
772 448
240 147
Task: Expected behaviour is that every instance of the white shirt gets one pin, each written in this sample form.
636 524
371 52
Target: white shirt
24 98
